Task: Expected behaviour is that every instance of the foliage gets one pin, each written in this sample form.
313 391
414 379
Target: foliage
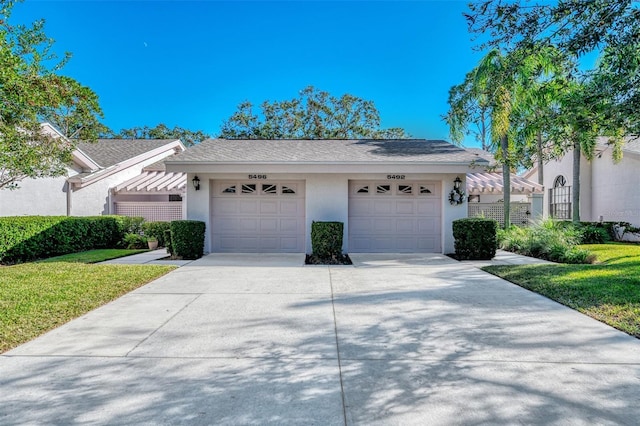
156 230
326 238
38 297
608 291
92 256
576 27
313 114
475 238
547 239
25 238
187 238
32 91
161 131
134 241
592 234
167 241
132 224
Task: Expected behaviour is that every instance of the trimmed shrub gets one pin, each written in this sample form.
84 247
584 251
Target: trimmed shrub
475 238
26 238
326 238
167 241
157 230
187 238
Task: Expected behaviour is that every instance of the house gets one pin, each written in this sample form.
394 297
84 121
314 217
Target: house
608 191
263 195
100 180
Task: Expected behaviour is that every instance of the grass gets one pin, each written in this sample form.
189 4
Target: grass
608 290
93 256
38 297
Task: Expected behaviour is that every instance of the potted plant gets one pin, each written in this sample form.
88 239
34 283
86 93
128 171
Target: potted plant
152 242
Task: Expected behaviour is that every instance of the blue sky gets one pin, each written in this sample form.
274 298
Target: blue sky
191 63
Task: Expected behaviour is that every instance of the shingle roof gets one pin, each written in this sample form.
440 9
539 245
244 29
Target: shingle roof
325 151
108 152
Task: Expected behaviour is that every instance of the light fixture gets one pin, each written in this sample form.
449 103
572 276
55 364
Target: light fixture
457 182
196 183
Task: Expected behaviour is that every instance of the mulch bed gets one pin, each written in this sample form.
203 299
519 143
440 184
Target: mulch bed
342 259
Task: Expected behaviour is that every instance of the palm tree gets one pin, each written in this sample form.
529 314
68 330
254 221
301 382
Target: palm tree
501 82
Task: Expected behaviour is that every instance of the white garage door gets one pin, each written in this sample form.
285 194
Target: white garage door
394 217
257 216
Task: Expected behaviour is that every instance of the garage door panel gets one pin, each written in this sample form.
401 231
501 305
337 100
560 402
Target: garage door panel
258 217
405 207
403 217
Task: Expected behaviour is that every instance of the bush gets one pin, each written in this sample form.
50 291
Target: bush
547 239
167 241
134 241
187 238
592 234
26 238
326 238
157 230
132 225
475 238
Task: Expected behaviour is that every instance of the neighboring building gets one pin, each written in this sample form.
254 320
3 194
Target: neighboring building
263 195
93 185
608 191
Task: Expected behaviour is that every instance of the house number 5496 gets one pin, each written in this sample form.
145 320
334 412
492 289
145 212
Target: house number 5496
399 177
257 176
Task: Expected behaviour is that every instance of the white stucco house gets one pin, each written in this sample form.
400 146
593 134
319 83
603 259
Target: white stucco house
608 191
111 176
263 195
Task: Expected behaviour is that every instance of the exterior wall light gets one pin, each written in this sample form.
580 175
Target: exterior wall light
457 194
196 183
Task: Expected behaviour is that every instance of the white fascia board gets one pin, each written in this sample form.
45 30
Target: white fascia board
84 160
315 168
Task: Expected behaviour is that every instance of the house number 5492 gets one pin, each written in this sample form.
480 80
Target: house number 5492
257 176
399 177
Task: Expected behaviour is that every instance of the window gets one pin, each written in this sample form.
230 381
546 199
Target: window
383 189
175 197
560 199
269 189
248 188
426 189
230 190
405 189
363 190
288 190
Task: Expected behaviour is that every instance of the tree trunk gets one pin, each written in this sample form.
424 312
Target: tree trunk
575 194
506 181
540 162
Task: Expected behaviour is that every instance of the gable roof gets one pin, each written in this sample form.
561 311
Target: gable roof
280 151
109 152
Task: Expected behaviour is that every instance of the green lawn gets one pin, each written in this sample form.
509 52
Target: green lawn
93 256
608 291
37 297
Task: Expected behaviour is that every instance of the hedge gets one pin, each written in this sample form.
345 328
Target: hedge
187 239
475 238
326 238
25 238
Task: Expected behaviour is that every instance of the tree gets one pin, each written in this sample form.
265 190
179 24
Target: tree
576 27
31 91
501 83
313 114
161 131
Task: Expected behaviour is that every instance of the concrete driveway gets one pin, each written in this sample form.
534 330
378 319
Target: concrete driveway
393 340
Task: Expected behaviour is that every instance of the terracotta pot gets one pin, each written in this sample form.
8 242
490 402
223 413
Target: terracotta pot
153 244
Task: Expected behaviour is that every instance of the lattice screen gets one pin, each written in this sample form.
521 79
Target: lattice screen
151 211
518 213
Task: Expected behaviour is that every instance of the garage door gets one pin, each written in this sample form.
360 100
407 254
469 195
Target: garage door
252 216
394 217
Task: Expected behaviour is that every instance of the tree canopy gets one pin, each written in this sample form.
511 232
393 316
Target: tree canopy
314 114
32 91
576 27
161 131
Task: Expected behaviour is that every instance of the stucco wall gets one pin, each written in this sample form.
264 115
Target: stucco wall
564 167
615 188
42 197
94 200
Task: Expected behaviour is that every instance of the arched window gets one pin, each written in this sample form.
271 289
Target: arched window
560 199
